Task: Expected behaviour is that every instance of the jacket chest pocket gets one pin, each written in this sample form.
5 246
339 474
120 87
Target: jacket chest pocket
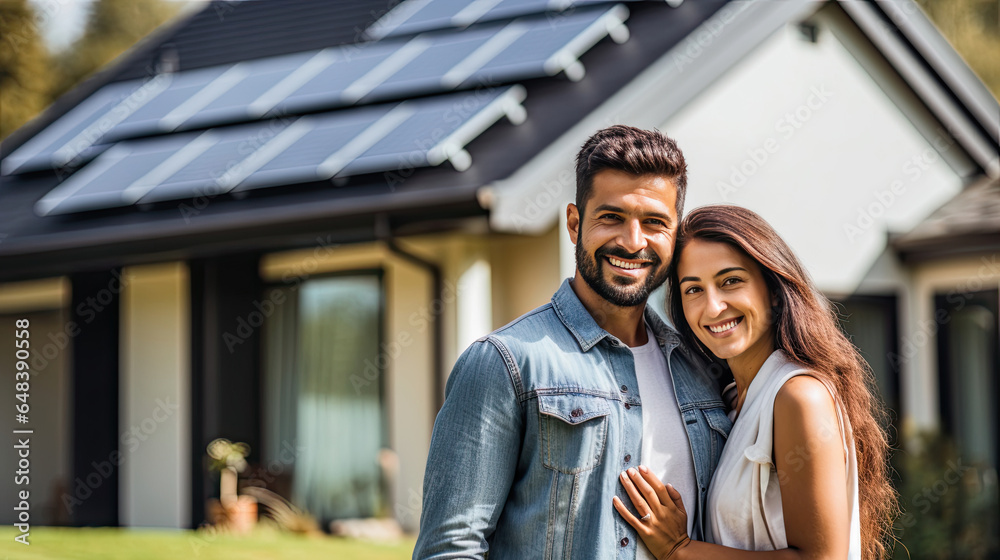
573 429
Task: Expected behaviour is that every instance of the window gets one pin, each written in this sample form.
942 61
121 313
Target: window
968 370
324 420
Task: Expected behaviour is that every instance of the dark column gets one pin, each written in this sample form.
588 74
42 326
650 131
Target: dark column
225 365
93 495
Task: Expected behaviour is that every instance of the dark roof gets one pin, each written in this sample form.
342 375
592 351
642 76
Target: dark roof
967 224
226 32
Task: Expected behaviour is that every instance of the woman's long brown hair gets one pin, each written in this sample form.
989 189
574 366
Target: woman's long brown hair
806 327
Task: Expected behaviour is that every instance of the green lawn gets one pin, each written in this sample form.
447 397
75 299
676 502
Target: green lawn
57 543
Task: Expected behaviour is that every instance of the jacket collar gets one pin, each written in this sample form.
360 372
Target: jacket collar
588 333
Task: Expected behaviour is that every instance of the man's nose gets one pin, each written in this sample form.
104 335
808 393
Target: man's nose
632 238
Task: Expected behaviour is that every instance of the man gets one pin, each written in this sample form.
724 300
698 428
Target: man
542 416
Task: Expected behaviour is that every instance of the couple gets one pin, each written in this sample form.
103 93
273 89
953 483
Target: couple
588 428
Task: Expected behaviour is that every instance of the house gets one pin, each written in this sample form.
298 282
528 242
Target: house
281 222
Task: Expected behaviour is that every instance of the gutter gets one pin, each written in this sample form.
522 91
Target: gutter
383 233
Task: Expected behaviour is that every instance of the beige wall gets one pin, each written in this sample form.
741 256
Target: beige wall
155 409
526 272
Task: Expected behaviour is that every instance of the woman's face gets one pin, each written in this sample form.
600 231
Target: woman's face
725 299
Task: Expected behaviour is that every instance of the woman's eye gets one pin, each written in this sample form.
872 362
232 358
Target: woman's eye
692 290
731 280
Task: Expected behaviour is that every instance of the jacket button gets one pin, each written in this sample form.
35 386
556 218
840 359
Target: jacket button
627 406
576 413
624 541
624 389
628 458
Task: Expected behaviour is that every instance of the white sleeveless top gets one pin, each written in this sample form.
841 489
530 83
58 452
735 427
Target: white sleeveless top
744 501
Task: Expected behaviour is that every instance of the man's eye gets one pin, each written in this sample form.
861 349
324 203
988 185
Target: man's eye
610 217
659 223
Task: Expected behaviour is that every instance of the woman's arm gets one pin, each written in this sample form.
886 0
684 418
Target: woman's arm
812 474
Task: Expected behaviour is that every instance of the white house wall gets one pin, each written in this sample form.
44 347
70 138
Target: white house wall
800 133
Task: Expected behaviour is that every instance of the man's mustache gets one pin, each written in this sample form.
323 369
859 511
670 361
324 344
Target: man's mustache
619 252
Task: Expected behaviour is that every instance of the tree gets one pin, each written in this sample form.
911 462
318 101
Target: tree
973 28
112 27
25 78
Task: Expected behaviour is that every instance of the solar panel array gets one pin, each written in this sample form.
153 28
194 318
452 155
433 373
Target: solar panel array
404 135
178 135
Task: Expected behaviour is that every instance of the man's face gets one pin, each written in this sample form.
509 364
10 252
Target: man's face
625 236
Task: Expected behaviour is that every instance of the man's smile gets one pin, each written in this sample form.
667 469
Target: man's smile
627 266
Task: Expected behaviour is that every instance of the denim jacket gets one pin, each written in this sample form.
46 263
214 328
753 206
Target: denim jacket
539 419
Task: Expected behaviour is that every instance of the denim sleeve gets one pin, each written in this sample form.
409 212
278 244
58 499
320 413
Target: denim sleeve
473 456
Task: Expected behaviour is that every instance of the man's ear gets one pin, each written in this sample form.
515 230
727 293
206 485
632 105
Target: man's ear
572 221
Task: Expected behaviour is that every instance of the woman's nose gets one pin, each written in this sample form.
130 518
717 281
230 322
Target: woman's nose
716 303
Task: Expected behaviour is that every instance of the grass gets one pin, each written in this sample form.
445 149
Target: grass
60 543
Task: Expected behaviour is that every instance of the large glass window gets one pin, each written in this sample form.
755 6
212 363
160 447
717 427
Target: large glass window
323 394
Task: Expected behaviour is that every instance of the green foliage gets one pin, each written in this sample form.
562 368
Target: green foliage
949 505
112 27
973 28
24 79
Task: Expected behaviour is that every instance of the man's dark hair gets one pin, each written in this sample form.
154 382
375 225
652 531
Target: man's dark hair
633 150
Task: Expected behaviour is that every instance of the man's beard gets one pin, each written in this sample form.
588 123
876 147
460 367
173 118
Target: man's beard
624 291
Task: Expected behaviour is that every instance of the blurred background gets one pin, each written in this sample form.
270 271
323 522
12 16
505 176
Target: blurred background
252 237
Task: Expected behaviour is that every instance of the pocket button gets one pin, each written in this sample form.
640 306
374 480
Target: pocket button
576 412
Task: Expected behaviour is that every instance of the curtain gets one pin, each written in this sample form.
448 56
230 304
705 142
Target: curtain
323 392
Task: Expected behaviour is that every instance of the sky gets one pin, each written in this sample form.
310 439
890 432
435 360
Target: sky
62 21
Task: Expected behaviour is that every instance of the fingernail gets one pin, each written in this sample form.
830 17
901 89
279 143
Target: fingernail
643 468
632 472
623 475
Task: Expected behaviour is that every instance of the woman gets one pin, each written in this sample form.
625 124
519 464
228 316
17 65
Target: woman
803 473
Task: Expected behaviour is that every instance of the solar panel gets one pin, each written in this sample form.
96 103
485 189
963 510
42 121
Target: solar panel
149 117
434 62
414 133
72 137
418 16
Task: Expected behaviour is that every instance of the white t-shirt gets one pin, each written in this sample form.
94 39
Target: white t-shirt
665 447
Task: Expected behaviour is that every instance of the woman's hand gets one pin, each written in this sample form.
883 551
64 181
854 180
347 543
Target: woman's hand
664 528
